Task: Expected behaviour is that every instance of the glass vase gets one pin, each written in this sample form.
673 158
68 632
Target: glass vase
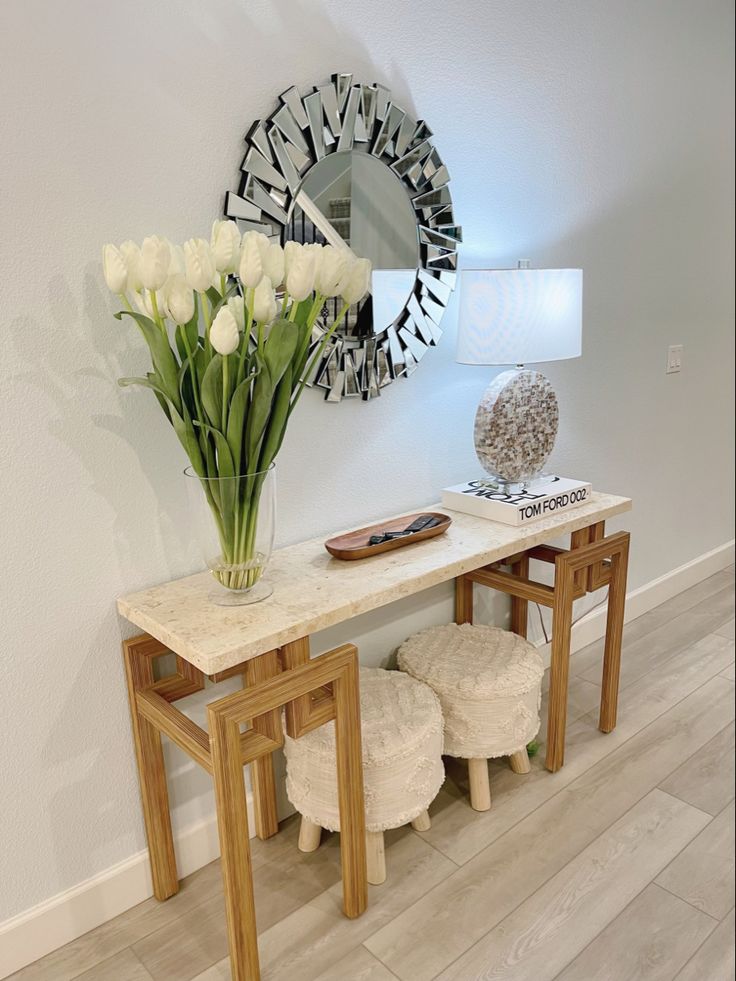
234 519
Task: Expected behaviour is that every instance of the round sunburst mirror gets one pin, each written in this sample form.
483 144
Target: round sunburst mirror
346 165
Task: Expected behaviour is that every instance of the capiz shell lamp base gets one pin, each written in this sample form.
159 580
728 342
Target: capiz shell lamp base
515 428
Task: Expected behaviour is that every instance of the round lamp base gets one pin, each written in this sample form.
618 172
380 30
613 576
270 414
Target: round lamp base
515 427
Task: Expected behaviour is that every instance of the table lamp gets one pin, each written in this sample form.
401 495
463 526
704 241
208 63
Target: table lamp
516 317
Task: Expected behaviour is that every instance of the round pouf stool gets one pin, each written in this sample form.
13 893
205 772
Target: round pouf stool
489 683
401 725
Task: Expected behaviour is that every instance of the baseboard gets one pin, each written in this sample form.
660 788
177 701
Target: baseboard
592 626
70 914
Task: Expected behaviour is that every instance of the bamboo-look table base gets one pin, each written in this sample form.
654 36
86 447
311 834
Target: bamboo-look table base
269 647
592 562
312 692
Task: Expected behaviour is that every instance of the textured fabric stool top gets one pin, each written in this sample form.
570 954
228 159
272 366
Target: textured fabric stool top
401 723
488 681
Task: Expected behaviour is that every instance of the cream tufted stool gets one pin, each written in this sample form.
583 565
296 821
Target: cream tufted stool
401 725
489 685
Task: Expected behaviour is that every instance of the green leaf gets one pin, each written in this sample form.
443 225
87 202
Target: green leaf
260 408
279 349
218 300
277 422
227 489
188 439
211 391
164 362
152 382
236 421
211 460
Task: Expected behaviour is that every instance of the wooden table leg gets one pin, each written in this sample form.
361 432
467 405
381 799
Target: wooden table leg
614 634
350 791
232 824
264 782
463 600
152 777
560 664
520 607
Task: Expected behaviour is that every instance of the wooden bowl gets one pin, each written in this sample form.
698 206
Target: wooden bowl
355 544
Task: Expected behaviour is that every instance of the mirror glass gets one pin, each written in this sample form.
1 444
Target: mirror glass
357 197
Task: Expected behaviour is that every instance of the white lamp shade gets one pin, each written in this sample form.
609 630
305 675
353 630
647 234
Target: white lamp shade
519 316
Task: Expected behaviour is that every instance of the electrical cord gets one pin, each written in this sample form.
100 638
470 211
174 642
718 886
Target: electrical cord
576 620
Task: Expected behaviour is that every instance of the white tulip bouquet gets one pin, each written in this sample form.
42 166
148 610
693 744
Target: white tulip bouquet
230 325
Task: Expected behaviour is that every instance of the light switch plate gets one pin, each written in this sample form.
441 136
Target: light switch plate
674 358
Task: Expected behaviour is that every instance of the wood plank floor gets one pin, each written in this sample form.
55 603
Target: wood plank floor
618 868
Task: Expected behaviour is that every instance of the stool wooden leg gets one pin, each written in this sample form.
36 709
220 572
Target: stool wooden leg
232 824
559 665
350 790
614 634
310 835
519 761
422 822
376 857
480 785
261 770
152 777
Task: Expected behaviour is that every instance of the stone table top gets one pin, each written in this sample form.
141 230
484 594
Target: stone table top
312 590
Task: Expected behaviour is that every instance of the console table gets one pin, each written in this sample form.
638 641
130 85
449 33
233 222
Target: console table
268 645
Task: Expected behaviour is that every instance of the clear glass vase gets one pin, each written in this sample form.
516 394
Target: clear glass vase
234 519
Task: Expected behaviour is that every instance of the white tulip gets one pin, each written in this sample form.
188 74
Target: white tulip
114 269
273 264
252 253
225 244
332 273
224 333
264 302
291 251
132 258
154 263
176 265
199 264
358 281
236 307
179 299
300 274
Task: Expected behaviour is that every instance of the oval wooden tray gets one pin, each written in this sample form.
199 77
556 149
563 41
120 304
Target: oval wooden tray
354 544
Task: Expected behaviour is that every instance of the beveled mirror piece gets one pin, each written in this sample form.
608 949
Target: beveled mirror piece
346 164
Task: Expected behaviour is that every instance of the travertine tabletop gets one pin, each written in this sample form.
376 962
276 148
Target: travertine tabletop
312 591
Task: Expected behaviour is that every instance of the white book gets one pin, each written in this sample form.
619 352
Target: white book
549 496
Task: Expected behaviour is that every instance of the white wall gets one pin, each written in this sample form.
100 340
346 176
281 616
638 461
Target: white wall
580 132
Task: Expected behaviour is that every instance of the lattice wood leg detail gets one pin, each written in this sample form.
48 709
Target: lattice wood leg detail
138 655
262 775
520 607
614 635
559 663
463 600
232 825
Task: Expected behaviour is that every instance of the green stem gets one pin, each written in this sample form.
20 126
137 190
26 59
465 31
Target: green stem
207 314
126 301
156 314
225 390
248 301
223 284
284 302
192 374
293 310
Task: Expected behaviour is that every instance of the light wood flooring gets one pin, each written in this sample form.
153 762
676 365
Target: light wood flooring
620 866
